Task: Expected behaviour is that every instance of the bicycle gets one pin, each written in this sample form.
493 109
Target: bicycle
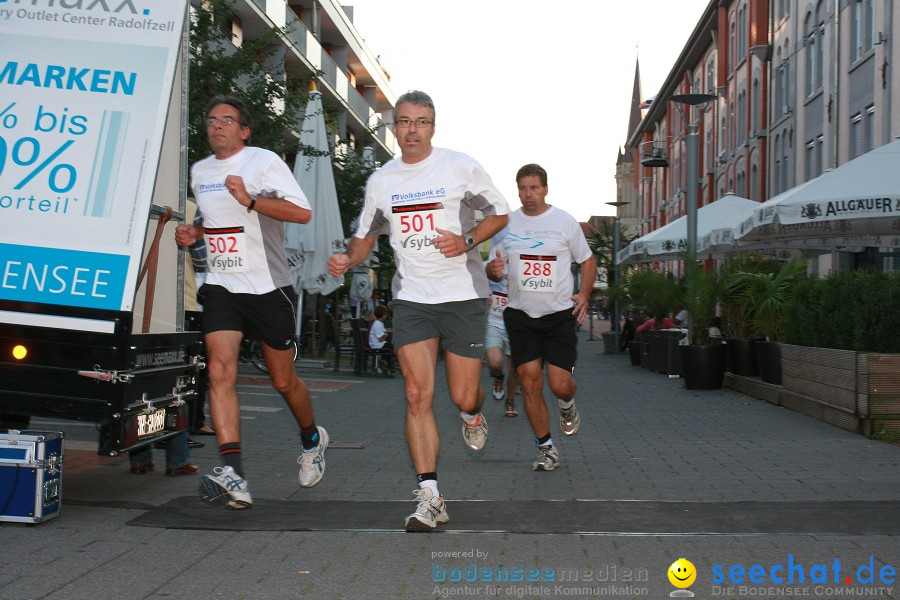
252 352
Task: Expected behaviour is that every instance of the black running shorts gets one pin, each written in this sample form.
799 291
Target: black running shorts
268 317
551 337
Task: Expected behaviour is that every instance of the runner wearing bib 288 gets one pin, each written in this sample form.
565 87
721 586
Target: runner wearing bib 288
426 202
543 306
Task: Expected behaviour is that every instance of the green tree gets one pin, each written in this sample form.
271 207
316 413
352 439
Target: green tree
250 72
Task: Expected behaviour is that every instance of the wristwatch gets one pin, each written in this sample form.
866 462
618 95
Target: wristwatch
470 242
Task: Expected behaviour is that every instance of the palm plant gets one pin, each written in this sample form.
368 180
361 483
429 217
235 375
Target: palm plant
767 296
699 296
651 291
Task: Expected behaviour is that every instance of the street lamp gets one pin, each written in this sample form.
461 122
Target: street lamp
693 167
617 233
693 174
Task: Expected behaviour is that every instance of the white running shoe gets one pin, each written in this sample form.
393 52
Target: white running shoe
475 435
226 487
430 512
569 419
497 390
312 461
547 459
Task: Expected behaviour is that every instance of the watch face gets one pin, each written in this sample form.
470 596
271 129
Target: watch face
470 242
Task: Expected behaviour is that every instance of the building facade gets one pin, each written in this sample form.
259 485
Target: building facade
321 39
801 86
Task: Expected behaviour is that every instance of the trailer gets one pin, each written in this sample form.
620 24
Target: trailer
93 179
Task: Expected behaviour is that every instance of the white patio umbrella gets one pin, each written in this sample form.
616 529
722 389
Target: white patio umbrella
856 205
310 245
670 241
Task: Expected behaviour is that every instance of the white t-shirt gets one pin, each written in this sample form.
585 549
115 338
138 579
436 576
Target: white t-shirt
375 333
245 251
408 201
540 253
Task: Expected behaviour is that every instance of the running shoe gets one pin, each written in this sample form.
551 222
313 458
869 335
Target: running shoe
569 420
547 459
226 487
430 512
475 435
497 390
510 408
312 461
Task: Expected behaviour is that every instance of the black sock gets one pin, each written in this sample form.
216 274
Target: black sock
543 440
309 436
496 376
231 456
426 476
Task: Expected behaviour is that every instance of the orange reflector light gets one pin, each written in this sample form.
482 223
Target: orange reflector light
19 352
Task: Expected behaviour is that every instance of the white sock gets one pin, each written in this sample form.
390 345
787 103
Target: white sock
432 485
564 404
546 444
467 418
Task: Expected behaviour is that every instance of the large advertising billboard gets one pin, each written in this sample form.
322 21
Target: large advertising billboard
84 90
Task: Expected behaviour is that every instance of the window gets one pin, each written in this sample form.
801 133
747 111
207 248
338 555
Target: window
776 178
732 50
754 183
869 129
810 159
856 135
755 102
810 29
820 44
820 153
741 124
742 31
711 76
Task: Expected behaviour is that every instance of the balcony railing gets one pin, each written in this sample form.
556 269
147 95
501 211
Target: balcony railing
296 31
653 154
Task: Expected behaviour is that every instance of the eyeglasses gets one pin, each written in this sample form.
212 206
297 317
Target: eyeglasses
405 123
213 121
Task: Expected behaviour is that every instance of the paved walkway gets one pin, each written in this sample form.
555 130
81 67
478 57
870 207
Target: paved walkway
656 472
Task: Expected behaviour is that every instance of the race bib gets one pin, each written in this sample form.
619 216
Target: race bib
498 303
415 226
226 249
537 273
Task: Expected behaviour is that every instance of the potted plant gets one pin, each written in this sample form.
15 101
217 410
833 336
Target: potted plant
737 319
766 296
652 293
703 363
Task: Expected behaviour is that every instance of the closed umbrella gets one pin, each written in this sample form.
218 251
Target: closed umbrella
310 245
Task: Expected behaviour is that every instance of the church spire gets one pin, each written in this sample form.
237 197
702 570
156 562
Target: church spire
635 117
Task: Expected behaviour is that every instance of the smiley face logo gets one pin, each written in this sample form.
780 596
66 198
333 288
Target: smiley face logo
682 573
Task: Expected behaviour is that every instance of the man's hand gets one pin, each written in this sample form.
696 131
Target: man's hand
495 268
581 307
186 235
449 244
338 264
235 185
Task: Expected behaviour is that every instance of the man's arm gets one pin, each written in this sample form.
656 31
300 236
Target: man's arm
588 276
276 208
358 251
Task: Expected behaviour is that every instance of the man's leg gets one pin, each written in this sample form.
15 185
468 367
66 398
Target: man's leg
531 374
222 357
417 361
495 367
227 486
532 377
562 383
512 386
314 439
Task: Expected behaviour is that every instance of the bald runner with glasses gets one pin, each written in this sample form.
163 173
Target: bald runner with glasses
245 195
426 202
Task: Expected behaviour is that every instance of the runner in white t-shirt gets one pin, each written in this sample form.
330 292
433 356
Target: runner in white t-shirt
543 306
496 342
246 194
426 202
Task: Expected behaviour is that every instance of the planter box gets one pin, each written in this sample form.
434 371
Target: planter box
856 391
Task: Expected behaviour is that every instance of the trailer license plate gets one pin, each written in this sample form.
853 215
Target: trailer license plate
151 423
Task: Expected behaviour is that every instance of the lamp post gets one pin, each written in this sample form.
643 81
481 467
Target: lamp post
617 234
692 169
